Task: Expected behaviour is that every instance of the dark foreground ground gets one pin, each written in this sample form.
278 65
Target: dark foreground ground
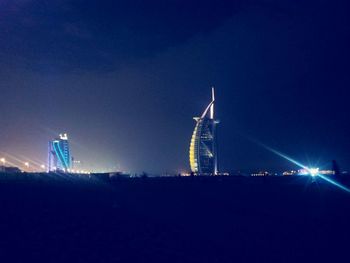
174 220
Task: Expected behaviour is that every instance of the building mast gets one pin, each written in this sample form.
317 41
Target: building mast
212 105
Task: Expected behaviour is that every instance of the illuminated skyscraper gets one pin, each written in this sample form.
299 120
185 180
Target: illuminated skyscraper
58 154
203 155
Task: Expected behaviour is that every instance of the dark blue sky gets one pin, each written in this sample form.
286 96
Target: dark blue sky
125 78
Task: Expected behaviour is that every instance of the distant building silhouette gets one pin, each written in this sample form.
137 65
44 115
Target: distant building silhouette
6 169
59 158
335 168
203 148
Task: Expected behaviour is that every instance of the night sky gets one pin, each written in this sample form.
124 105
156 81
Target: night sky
125 78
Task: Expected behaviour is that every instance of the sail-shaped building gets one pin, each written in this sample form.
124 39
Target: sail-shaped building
203 148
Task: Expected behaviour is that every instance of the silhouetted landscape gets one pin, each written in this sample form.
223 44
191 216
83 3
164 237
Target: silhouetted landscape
185 219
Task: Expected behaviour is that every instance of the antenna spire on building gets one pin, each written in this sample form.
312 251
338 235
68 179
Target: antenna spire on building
212 103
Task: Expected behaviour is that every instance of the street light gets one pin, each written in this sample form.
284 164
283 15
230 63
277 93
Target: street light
3 160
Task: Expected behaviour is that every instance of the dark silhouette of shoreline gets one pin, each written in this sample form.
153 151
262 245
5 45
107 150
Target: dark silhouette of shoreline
172 219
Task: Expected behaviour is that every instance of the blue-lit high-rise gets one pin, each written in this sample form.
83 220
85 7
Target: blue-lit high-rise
203 149
59 158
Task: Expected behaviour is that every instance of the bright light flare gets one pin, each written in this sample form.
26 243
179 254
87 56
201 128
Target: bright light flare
313 171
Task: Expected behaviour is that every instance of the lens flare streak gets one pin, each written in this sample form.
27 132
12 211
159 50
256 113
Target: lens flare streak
329 180
334 182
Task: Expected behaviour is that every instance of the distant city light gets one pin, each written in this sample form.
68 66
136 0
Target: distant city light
26 164
3 160
42 166
261 173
